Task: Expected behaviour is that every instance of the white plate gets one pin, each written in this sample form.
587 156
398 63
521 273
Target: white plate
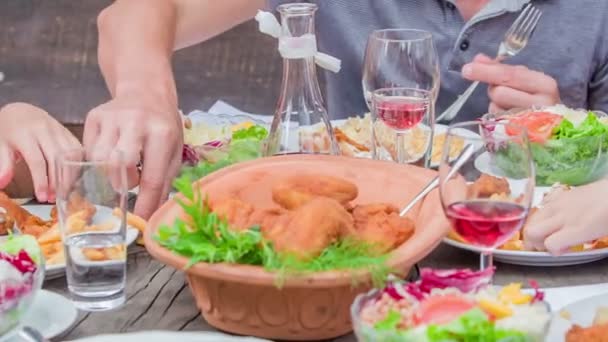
44 212
51 314
527 258
439 129
581 313
163 336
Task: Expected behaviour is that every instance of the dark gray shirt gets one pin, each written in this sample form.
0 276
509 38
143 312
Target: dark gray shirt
570 44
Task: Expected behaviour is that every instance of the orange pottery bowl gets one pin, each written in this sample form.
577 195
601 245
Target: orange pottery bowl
245 300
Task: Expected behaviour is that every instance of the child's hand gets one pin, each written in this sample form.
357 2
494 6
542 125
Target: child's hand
30 133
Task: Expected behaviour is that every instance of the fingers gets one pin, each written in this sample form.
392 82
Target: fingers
481 58
494 109
34 158
174 171
50 149
158 155
101 148
538 229
559 242
92 129
513 76
6 165
506 97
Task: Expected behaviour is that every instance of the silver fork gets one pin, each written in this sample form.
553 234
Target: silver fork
515 40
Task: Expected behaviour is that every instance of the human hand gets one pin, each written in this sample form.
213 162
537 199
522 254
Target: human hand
144 128
30 133
569 218
512 86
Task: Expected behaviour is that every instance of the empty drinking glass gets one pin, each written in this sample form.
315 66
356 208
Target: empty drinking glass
91 205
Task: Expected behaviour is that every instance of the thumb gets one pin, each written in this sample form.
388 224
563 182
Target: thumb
6 165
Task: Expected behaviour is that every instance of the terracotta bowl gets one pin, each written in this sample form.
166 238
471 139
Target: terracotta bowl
244 299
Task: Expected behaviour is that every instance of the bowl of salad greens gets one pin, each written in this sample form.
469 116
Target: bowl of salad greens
212 142
21 276
451 305
568 146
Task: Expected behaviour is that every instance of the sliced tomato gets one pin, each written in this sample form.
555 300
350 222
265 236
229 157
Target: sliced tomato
442 309
540 125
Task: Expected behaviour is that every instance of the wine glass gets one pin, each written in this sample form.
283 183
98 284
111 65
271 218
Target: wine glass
401 58
396 112
488 199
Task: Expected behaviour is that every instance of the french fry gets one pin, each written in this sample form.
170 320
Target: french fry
50 236
56 259
102 227
94 254
133 221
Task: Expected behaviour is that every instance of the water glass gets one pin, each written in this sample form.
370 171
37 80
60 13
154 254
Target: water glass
91 205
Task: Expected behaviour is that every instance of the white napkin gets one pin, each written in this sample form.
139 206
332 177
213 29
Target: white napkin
296 47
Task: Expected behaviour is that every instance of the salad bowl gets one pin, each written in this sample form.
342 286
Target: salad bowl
569 146
450 305
21 277
247 300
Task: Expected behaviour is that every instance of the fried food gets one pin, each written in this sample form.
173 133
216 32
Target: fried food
135 222
307 231
595 333
381 226
293 192
487 186
242 215
77 203
6 222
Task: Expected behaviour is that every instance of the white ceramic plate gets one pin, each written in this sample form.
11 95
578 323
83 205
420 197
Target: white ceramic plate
527 258
51 314
44 211
581 313
163 336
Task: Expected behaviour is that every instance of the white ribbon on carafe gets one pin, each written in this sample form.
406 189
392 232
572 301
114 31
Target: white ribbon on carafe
296 47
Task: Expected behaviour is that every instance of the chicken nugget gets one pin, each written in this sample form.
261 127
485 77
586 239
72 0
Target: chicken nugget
295 191
381 226
307 231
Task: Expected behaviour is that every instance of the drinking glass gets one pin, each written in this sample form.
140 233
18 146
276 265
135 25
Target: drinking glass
401 58
91 207
488 199
401 124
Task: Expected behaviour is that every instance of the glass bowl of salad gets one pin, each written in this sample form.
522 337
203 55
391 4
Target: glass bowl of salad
568 146
450 306
213 141
21 276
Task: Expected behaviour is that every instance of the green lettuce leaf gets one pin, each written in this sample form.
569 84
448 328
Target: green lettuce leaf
473 326
575 155
16 243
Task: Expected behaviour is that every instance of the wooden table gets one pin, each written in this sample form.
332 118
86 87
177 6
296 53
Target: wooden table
158 297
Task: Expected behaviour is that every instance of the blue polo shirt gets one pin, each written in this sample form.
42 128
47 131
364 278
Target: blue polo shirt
570 44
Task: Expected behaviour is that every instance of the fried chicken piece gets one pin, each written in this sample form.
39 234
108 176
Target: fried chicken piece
307 231
293 192
595 333
242 215
486 186
6 222
381 226
18 213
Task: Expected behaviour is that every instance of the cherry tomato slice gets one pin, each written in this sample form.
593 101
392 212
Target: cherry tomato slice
540 125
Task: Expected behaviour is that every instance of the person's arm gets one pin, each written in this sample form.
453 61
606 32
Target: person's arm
136 41
137 37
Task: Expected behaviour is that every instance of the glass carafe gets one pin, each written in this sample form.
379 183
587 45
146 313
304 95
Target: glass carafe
300 123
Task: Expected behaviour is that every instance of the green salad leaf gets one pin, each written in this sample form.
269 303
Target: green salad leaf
15 243
204 237
246 145
575 155
473 326
390 322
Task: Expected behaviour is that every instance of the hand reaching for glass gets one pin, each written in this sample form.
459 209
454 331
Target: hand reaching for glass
569 218
145 129
29 133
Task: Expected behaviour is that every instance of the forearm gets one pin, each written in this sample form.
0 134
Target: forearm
136 39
